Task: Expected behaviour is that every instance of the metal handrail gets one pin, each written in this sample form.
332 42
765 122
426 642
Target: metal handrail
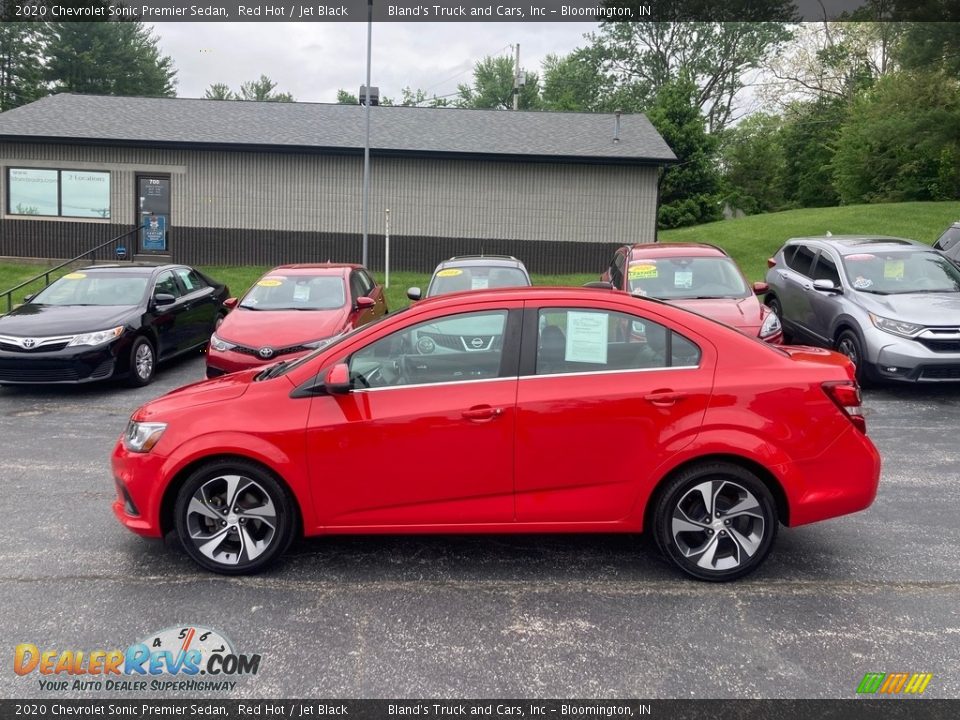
46 274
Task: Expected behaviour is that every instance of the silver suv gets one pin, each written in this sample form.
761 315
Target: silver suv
891 305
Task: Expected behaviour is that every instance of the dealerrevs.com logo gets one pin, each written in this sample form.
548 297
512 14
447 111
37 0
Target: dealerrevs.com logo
894 683
173 659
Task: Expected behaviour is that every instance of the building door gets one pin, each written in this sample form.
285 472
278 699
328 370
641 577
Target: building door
153 214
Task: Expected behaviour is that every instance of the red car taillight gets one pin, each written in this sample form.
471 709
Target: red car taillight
771 262
846 396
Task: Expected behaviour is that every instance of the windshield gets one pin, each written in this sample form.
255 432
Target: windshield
895 273
296 292
687 277
451 280
79 288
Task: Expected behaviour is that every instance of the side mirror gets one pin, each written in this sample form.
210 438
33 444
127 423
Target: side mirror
338 379
364 302
760 288
161 299
825 285
414 293
28 298
230 303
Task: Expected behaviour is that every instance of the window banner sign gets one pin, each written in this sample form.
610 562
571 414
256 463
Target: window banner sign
154 230
202 708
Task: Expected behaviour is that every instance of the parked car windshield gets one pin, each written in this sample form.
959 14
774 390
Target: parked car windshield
296 292
896 273
451 280
687 278
79 288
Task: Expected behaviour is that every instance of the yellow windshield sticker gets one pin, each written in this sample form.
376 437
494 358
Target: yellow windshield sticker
893 270
450 272
270 282
74 276
645 270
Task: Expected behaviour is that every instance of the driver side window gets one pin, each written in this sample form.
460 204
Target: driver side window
451 349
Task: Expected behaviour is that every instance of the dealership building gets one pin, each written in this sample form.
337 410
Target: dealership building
260 183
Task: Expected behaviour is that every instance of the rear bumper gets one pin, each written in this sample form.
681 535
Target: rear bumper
841 481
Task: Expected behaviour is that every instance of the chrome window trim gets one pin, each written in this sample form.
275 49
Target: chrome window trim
611 372
437 384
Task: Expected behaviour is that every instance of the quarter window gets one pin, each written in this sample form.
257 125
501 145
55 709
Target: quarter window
452 349
58 193
191 279
582 340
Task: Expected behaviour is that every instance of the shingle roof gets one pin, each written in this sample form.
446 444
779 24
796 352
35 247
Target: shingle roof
134 120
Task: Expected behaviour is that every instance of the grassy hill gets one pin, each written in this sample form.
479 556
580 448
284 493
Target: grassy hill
750 240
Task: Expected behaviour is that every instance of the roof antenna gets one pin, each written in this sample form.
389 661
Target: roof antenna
829 234
616 133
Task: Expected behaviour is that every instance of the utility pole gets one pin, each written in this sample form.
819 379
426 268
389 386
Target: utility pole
517 81
366 141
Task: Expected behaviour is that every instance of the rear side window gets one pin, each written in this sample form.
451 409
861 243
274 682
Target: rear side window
580 340
191 279
800 258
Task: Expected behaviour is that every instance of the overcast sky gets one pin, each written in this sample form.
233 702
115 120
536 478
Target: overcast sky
313 60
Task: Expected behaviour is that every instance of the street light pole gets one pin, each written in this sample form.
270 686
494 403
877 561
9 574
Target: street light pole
366 140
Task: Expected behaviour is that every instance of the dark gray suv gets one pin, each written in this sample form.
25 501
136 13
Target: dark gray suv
891 305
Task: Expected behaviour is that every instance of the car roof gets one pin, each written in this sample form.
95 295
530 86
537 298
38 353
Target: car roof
481 261
145 268
852 244
315 268
528 292
647 251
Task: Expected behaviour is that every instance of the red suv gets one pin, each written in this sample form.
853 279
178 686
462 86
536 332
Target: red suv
484 412
698 277
290 311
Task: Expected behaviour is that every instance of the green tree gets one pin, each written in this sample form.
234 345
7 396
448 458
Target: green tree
689 190
21 69
219 91
640 58
493 86
108 58
574 82
809 135
901 141
262 90
754 164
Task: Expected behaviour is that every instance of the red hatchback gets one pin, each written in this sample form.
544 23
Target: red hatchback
290 311
699 277
485 412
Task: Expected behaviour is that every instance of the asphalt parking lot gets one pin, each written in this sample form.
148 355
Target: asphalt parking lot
558 616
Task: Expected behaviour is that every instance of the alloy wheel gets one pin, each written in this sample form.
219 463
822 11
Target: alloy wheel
143 361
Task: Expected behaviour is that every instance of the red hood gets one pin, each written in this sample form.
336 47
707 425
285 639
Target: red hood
203 392
745 314
281 328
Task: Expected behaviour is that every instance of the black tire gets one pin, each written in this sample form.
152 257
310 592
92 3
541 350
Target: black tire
848 343
143 363
718 548
774 304
223 544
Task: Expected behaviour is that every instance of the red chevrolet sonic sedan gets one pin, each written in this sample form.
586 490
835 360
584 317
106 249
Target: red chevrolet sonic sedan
498 411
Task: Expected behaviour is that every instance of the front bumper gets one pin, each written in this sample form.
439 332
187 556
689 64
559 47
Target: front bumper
229 361
67 366
912 361
137 477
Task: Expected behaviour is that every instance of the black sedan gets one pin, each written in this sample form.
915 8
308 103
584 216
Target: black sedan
109 321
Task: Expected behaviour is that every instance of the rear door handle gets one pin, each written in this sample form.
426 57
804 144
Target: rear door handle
664 398
482 413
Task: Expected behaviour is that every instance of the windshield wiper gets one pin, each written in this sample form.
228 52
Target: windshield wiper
273 370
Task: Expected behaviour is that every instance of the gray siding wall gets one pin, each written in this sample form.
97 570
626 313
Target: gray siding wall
437 198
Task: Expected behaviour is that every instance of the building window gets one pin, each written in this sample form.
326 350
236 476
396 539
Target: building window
58 193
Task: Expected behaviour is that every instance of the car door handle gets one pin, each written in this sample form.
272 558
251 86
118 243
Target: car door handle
482 413
664 398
